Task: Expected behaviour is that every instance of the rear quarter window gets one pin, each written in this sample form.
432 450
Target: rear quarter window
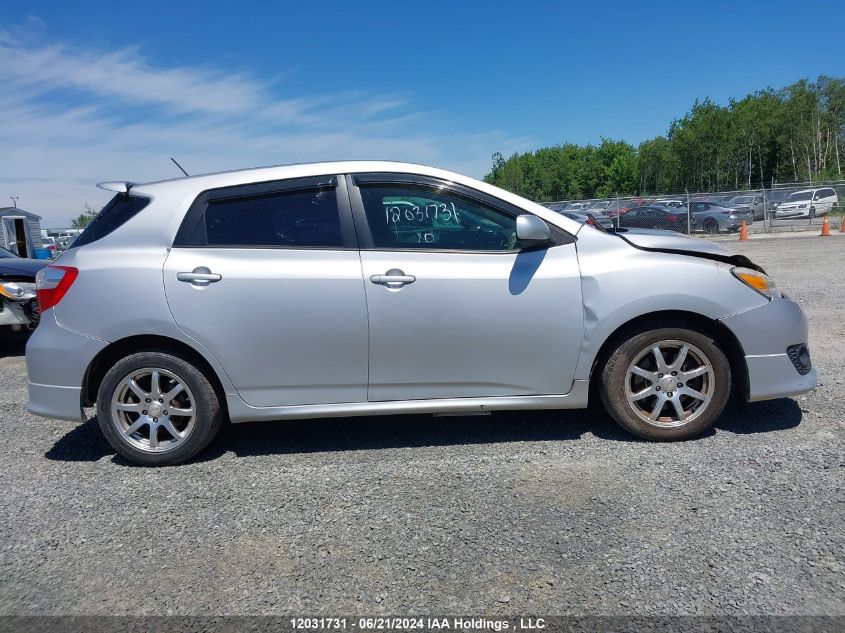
117 212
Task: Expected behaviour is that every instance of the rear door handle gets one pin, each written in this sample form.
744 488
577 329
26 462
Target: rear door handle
200 276
393 278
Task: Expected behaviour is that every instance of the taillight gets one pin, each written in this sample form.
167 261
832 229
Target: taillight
52 283
673 218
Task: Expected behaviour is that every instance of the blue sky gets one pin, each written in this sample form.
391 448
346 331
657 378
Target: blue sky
94 91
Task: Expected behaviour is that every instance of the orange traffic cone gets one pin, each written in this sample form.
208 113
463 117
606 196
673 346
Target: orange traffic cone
825 228
842 228
743 232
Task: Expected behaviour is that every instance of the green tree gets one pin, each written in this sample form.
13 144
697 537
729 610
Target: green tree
82 220
793 133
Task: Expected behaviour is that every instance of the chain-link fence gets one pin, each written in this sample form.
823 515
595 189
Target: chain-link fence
780 207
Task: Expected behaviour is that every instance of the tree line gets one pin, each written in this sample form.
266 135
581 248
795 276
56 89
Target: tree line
796 133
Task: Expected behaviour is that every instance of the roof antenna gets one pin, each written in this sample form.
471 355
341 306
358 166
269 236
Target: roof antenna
178 165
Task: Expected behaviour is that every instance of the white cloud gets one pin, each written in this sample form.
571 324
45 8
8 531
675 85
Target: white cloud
72 117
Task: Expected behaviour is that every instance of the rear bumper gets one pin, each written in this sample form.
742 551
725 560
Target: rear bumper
51 401
56 362
764 334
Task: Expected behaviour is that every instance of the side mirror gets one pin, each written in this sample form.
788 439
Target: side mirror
530 228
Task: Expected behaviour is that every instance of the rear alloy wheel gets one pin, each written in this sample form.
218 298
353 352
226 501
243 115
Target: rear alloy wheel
711 227
666 384
156 409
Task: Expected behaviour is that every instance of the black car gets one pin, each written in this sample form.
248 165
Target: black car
650 217
18 305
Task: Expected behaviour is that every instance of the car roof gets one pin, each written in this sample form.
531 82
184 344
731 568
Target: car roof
193 185
301 170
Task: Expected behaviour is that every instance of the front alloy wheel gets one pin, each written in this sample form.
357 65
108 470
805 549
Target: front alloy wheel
667 383
673 392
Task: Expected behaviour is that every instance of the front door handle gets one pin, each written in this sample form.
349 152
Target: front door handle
393 278
200 276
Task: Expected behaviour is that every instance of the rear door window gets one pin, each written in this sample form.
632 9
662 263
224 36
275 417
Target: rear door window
288 214
298 218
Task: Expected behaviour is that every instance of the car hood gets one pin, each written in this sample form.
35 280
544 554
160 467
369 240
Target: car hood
680 244
11 266
652 239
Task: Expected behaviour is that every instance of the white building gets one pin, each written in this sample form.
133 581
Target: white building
20 231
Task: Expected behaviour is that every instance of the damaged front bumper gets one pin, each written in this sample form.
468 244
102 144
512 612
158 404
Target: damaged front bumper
19 314
777 356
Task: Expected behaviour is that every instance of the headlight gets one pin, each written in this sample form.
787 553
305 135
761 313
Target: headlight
17 290
763 284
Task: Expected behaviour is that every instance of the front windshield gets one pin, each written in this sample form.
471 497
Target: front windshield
742 200
7 253
798 196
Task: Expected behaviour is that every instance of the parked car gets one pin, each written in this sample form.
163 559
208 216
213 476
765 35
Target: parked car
18 305
50 244
620 207
715 198
670 204
651 217
598 205
754 202
713 219
559 207
808 203
464 298
584 218
775 196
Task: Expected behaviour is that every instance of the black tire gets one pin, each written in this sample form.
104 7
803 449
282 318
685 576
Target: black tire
614 376
711 227
207 419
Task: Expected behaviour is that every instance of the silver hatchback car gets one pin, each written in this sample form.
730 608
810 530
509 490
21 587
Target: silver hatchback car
365 288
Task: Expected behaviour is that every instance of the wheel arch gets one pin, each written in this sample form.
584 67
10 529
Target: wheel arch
725 339
113 352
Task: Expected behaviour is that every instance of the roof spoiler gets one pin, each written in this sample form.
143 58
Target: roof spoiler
118 186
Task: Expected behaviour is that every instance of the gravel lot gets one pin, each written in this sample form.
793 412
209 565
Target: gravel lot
550 513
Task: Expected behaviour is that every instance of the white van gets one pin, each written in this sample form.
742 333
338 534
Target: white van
808 203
